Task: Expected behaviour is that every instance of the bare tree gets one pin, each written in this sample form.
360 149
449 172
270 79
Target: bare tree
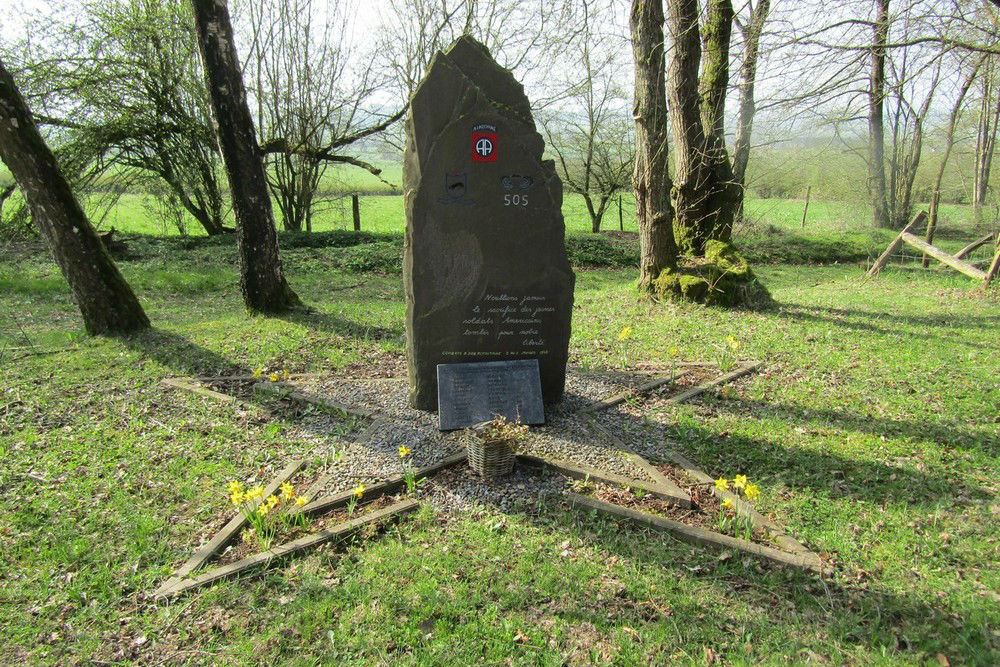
262 280
987 125
876 117
106 301
751 29
949 143
588 129
312 99
651 181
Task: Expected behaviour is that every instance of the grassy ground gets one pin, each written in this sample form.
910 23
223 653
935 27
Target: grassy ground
384 213
873 433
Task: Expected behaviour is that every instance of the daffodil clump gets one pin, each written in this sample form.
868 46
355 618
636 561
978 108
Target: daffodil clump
623 337
727 355
273 376
356 494
731 520
409 470
267 515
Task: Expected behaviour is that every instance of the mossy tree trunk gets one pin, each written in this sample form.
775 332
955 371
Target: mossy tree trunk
705 193
107 303
262 281
651 178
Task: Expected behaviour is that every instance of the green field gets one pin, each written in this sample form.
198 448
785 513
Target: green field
872 431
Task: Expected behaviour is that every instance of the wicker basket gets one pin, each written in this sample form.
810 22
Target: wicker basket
490 458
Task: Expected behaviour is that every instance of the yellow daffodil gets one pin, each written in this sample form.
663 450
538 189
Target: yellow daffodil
263 509
625 333
235 487
733 343
752 491
237 497
727 504
273 377
272 501
359 490
740 481
257 372
301 500
674 352
722 484
404 451
287 491
255 493
285 374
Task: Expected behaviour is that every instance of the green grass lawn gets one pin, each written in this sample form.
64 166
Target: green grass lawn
384 213
872 431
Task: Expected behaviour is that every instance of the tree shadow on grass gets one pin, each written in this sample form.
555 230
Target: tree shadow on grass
944 436
179 354
859 320
341 326
707 593
986 323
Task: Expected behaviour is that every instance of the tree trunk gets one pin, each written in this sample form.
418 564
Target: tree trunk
725 194
690 177
651 178
748 106
986 137
949 143
705 194
106 301
876 121
261 279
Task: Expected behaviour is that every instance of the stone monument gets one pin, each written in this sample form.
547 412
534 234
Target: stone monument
485 266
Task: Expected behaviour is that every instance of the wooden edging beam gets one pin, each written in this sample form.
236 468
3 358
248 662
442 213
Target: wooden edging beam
388 486
994 268
228 532
579 471
940 255
309 541
615 399
975 245
280 391
700 536
658 478
188 384
759 520
745 369
883 259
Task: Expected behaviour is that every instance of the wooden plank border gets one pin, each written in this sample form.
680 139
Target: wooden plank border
621 397
279 390
700 536
189 384
228 532
744 369
658 478
327 503
341 530
759 520
579 471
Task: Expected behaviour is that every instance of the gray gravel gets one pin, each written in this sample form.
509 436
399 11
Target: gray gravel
371 454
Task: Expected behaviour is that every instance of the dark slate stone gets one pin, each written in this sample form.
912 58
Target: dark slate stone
469 394
485 266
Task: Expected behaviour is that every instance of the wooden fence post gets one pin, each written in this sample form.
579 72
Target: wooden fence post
356 211
806 209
